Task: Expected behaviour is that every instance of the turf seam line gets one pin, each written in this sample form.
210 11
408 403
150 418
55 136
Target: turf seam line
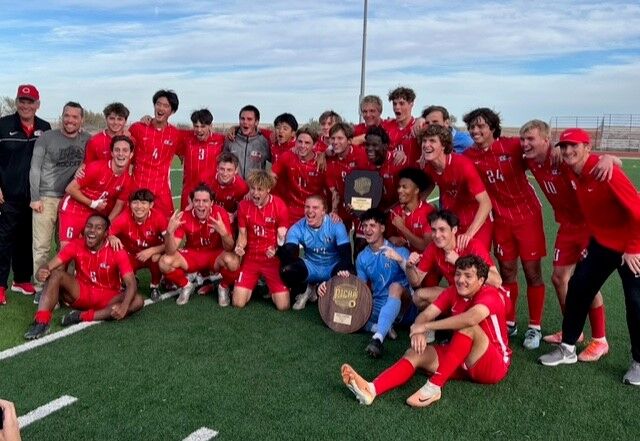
45 410
12 352
202 434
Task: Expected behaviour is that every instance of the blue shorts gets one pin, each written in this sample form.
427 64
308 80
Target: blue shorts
318 273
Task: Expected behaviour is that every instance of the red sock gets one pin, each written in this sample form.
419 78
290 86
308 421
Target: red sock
598 322
394 376
177 276
535 300
228 277
43 317
513 295
156 274
453 358
87 316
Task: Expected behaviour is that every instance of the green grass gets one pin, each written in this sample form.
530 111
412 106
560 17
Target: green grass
260 374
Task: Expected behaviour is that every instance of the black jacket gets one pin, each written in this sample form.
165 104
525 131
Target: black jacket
16 150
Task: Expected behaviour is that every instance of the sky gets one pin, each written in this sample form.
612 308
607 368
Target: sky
524 59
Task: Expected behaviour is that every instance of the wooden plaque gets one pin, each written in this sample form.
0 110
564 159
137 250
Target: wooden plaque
346 306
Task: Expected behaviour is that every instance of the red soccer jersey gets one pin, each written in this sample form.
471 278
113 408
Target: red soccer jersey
228 196
416 221
459 184
494 325
389 173
301 179
99 182
101 269
262 225
136 237
556 186
339 168
199 159
611 209
98 148
502 169
278 149
155 149
402 138
198 233
433 258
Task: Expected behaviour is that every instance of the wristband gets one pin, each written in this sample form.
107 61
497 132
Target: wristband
94 204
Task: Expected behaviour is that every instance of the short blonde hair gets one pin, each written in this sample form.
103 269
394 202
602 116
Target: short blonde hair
542 127
261 179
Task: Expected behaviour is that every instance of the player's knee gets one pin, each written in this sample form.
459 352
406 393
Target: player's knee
559 279
396 290
166 263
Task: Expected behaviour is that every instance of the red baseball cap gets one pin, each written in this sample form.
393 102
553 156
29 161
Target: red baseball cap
574 136
28 91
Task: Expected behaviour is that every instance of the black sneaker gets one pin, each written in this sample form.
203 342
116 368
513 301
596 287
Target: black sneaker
374 348
155 294
71 318
36 330
512 330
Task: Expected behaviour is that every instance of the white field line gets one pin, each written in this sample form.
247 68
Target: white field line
46 410
12 352
202 434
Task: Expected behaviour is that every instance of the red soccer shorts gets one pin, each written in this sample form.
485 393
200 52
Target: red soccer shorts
571 242
163 201
93 298
524 239
250 272
488 369
71 225
153 267
200 259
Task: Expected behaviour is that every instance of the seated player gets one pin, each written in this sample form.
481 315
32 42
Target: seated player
208 246
440 257
262 227
327 250
94 292
389 285
298 175
408 225
103 188
140 230
200 149
99 145
479 350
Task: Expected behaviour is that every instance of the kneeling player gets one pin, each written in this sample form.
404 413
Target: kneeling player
479 350
327 250
208 245
140 231
94 293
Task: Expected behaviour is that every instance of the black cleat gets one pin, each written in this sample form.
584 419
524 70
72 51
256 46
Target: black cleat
71 318
374 348
36 330
155 294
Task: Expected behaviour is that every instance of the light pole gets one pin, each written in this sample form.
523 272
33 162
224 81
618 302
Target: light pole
363 58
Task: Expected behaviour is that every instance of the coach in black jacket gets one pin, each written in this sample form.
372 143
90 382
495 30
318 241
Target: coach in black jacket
18 134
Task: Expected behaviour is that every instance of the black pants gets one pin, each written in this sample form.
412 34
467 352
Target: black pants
15 242
588 278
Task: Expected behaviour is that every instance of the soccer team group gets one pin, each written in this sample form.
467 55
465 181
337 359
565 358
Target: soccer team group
108 199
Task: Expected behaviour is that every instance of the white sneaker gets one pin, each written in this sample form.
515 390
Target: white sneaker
185 293
223 296
301 299
560 355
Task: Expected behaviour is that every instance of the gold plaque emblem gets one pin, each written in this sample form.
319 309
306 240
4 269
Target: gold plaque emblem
345 296
362 185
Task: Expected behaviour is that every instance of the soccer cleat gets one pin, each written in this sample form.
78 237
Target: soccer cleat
356 384
560 355
425 396
594 350
632 376
36 297
3 296
532 339
71 318
301 299
512 330
36 330
155 294
223 296
25 288
556 339
374 348
185 293
206 289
